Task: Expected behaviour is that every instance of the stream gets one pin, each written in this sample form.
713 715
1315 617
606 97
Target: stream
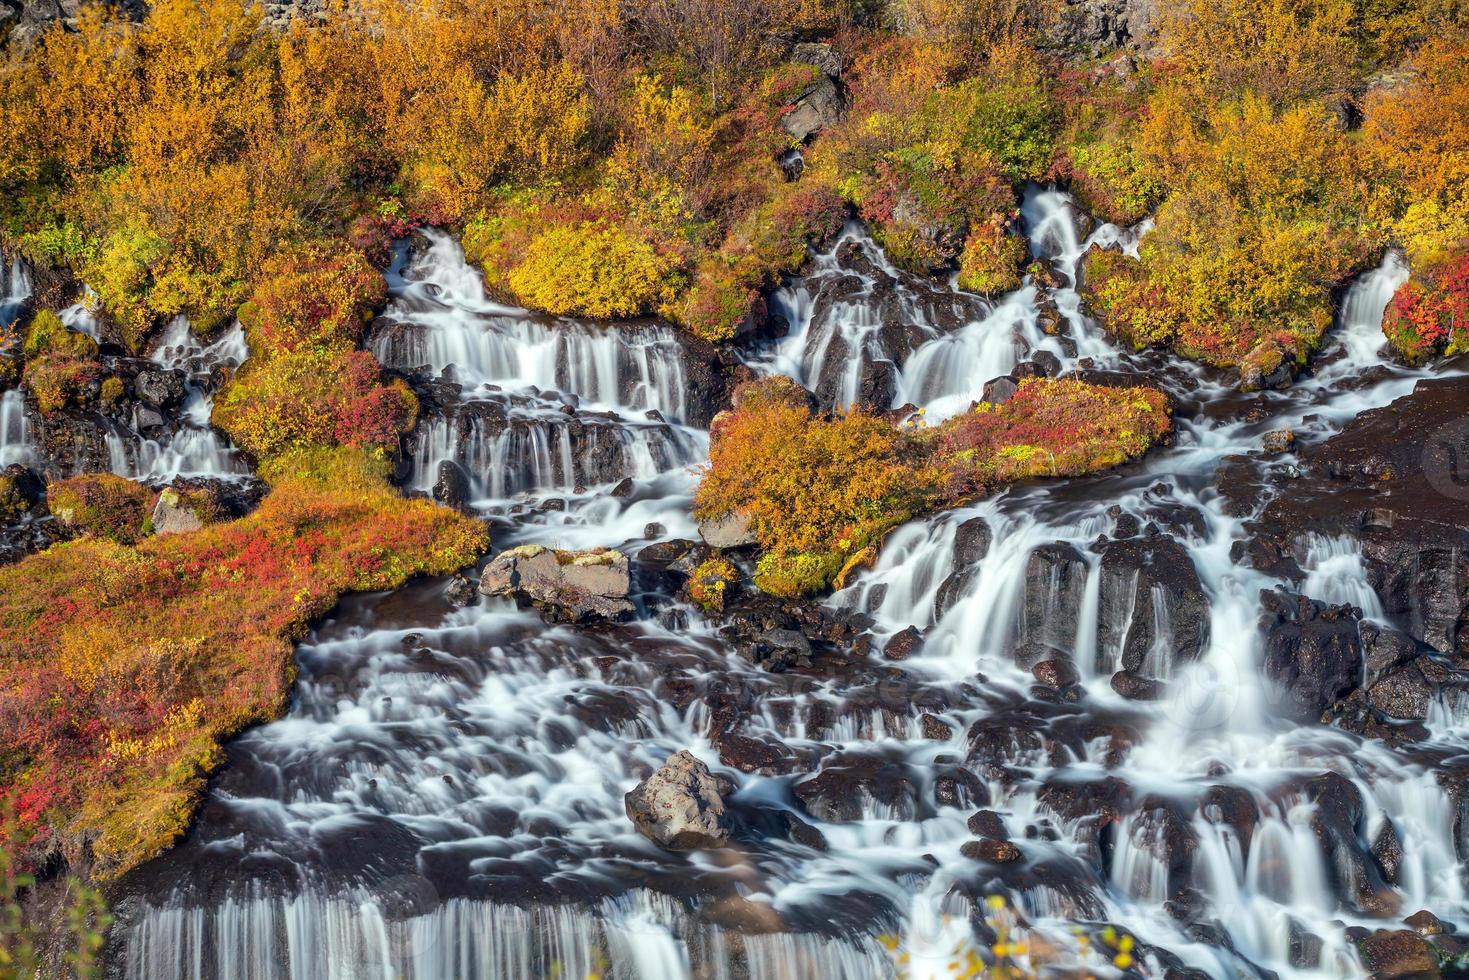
444 797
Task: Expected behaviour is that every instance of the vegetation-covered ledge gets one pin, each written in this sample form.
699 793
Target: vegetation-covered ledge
125 666
821 491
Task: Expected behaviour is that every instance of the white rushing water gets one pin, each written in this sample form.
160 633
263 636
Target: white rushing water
445 796
191 447
539 407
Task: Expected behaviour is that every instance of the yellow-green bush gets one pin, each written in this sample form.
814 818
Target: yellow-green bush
594 269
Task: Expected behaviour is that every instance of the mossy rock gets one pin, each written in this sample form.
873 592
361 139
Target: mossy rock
102 504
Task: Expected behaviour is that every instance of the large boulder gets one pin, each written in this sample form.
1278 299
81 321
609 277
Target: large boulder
1055 583
679 806
1095 26
578 586
733 530
1313 652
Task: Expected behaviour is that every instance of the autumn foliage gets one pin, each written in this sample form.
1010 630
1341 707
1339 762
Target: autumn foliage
125 666
822 490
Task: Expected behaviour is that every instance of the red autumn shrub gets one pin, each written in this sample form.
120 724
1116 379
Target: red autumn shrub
302 400
1430 316
122 668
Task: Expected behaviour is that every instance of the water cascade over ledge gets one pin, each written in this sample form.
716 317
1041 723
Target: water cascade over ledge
444 797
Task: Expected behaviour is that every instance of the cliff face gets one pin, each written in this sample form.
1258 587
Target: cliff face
1095 26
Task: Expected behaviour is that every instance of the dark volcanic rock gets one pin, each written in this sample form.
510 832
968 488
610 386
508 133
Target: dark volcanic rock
1055 581
1394 481
851 781
1312 652
1398 953
971 545
1154 614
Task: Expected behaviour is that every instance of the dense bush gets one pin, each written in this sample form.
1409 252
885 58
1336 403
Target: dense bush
821 491
102 504
313 298
304 400
1431 316
596 270
126 666
817 489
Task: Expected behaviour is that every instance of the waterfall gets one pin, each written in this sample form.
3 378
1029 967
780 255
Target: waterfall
192 448
445 795
15 439
15 289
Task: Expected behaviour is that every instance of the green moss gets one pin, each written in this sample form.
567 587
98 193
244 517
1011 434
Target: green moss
791 576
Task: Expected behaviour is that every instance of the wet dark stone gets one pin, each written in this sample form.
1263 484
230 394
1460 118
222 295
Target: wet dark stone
988 823
460 591
754 755
1055 582
451 487
1136 687
904 644
971 544
848 781
960 789
1384 648
998 391
993 851
1312 652
1391 481
1233 806
1147 581
1425 923
1403 693
1055 673
1387 851
1304 950
1395 953
160 387
935 729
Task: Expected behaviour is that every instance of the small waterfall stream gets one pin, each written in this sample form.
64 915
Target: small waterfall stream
191 448
444 797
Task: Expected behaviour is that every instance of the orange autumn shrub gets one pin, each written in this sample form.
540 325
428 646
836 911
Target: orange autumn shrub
1051 427
822 490
123 668
315 297
817 489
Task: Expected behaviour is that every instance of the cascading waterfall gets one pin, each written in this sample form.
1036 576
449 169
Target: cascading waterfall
541 406
15 289
15 440
444 797
192 448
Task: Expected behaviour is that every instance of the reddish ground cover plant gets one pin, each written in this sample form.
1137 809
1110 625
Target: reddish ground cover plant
1060 427
1430 315
822 490
123 667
